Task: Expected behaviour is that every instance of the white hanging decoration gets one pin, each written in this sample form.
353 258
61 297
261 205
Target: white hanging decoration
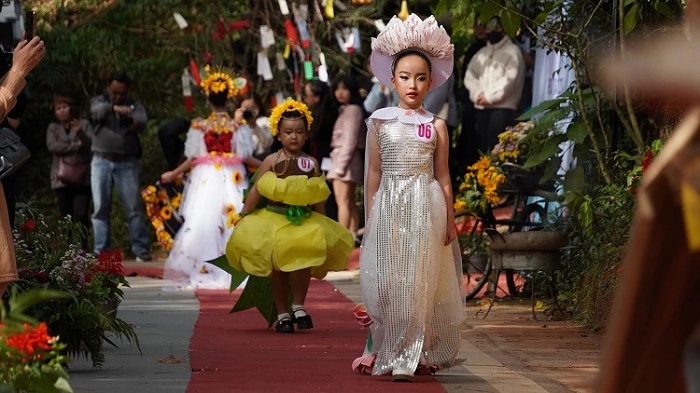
267 37
284 8
180 20
322 68
379 24
357 41
281 65
264 68
341 42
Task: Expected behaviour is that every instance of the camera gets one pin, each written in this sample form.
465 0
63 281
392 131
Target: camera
248 115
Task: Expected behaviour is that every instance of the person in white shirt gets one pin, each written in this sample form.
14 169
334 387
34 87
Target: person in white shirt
495 78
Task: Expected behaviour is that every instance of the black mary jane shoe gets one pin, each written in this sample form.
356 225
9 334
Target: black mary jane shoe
304 322
286 325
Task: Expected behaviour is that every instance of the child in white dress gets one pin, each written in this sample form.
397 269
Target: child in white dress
410 274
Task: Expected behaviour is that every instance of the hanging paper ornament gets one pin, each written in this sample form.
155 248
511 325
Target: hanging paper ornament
349 41
181 22
328 10
283 7
341 42
308 70
300 15
357 41
264 68
186 79
238 25
281 66
267 37
194 72
291 32
287 51
322 68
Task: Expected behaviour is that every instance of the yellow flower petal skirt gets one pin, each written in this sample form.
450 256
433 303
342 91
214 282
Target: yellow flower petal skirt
267 240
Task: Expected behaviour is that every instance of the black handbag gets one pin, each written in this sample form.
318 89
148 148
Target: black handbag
13 153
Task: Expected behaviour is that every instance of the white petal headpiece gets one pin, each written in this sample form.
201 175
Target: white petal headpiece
425 36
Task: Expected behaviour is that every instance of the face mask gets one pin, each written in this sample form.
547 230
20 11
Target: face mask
494 36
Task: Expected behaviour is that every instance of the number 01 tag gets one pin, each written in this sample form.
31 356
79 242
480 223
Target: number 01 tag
425 132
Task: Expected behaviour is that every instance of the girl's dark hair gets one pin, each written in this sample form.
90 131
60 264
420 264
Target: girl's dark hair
219 99
320 89
325 113
293 115
409 52
351 84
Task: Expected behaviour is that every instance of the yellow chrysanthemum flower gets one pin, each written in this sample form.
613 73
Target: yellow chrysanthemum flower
219 80
289 105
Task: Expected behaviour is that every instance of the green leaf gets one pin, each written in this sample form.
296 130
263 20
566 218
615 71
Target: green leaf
549 149
550 170
628 2
541 107
62 385
541 18
631 19
663 9
488 10
574 180
236 276
258 293
511 22
577 132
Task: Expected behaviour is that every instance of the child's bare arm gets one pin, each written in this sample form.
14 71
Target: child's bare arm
442 175
253 196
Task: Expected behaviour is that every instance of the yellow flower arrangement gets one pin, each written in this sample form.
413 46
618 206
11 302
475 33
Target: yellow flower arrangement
289 105
219 79
160 208
479 189
511 146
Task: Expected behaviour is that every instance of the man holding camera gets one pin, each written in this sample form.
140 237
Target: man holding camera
118 120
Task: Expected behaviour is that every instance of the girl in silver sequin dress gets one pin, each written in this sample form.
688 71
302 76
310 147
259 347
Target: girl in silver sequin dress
410 270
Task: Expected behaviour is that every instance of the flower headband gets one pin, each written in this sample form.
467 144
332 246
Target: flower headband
289 105
219 80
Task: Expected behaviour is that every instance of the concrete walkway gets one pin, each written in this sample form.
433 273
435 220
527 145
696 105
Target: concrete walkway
506 352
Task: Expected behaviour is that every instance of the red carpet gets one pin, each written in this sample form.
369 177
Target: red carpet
236 353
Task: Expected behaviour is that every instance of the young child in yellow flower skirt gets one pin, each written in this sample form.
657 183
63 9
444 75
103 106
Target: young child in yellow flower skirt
290 239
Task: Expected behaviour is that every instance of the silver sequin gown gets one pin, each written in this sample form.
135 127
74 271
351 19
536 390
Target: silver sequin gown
410 281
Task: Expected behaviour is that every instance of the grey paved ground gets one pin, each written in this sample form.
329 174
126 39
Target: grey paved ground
163 322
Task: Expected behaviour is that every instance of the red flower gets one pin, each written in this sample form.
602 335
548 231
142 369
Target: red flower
28 226
31 339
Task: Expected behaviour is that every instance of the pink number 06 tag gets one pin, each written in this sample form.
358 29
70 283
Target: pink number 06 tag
425 132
